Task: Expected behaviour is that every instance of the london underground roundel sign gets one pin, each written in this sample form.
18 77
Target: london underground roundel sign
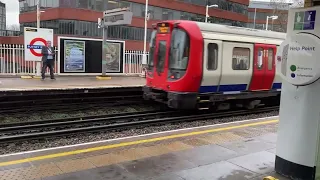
34 39
32 46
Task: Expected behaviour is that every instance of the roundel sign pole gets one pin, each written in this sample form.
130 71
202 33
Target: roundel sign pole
34 40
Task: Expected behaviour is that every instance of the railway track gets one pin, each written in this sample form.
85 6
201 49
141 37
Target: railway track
63 127
68 101
73 104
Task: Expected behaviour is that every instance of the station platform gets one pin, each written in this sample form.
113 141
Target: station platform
233 151
67 82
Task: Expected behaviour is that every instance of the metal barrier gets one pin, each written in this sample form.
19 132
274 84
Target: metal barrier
12 61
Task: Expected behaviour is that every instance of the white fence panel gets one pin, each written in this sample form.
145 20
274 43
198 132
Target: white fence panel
12 61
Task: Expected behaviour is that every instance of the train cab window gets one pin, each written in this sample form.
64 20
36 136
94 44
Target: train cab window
212 62
240 58
260 58
179 50
152 45
162 51
270 58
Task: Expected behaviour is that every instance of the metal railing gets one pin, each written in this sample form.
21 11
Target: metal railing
12 61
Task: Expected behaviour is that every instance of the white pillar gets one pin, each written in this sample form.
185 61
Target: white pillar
298 63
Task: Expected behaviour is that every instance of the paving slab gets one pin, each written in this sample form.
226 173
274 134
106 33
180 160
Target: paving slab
260 162
217 171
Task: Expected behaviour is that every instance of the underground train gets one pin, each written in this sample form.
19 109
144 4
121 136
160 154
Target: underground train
203 65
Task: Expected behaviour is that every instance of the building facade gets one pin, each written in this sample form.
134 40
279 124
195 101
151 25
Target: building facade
259 10
79 17
2 16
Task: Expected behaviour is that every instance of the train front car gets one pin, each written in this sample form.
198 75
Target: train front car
175 64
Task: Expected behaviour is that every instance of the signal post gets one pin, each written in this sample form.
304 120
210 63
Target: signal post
119 16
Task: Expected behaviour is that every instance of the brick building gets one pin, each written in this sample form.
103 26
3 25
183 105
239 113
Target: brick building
79 17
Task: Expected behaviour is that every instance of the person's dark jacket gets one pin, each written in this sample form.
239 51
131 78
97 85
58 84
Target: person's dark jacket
44 52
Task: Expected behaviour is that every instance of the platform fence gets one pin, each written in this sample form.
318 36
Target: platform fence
12 61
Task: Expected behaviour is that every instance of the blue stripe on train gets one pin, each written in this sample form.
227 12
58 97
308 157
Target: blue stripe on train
276 85
223 88
230 87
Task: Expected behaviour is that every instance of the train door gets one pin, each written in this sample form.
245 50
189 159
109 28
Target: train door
161 61
263 67
211 66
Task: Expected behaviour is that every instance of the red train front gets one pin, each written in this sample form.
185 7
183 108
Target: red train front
171 76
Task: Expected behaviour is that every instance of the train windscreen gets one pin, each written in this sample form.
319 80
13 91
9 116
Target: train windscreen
162 51
179 50
152 45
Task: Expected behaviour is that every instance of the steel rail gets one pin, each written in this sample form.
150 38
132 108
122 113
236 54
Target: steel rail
126 125
69 106
77 121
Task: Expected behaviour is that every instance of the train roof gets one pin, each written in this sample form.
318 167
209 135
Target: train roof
234 33
234 30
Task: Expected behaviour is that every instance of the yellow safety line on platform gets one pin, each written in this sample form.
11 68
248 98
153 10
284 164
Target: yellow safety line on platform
50 156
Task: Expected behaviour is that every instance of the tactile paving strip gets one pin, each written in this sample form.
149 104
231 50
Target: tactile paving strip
106 159
41 171
221 137
74 165
12 174
255 131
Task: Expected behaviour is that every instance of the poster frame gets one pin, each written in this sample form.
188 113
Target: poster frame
60 38
84 54
119 63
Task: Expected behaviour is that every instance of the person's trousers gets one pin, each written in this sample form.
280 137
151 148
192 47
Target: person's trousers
47 64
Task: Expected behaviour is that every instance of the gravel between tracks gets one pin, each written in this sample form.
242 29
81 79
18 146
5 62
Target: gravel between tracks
89 137
89 112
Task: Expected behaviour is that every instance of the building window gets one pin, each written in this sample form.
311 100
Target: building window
89 29
82 4
240 58
137 9
99 5
68 3
212 63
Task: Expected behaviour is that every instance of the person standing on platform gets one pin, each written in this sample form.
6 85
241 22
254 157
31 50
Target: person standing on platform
48 57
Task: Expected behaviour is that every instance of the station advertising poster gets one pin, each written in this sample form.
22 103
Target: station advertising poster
34 40
112 56
74 56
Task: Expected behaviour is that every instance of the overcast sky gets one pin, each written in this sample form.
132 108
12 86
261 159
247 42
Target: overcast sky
12 7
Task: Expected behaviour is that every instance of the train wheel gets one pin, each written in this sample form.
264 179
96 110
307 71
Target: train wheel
252 104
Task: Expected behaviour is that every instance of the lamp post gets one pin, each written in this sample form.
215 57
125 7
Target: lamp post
38 64
254 18
144 56
207 9
270 17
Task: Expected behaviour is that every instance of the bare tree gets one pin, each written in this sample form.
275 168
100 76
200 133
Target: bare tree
14 27
280 9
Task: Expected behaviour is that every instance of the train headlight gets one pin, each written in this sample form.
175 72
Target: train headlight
175 75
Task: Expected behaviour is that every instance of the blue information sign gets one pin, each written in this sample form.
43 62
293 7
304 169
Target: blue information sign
305 20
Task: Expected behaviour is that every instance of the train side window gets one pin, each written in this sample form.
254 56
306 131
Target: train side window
260 58
240 58
270 58
212 62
